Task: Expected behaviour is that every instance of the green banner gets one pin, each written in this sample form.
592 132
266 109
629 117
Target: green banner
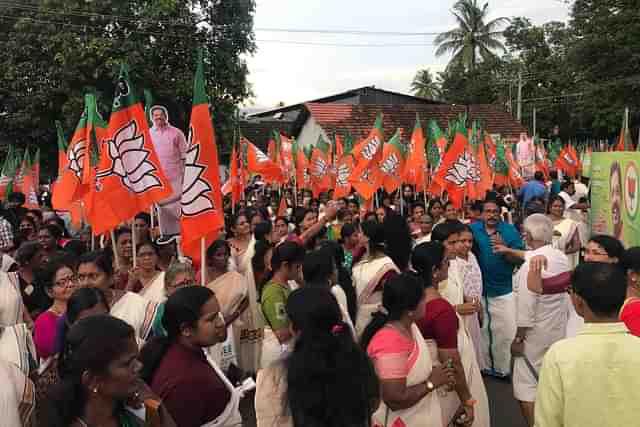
615 190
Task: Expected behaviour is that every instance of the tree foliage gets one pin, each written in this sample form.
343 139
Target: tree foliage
474 40
424 86
57 50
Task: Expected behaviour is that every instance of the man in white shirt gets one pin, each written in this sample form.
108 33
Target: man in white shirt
541 319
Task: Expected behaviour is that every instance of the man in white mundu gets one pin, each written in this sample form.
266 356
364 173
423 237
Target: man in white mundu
171 147
541 319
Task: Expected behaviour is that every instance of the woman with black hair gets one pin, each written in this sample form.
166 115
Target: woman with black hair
402 360
320 270
59 280
98 370
48 237
351 245
191 386
95 270
286 266
371 273
84 302
326 380
27 230
124 253
146 279
448 341
230 288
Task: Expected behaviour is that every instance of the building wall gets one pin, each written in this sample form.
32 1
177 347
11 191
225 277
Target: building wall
310 133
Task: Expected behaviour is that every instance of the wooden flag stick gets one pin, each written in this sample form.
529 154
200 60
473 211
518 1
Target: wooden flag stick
113 247
203 262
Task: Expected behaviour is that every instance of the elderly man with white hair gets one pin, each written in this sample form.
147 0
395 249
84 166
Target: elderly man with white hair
540 319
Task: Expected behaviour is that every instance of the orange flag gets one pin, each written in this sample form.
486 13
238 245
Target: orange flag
456 169
319 168
235 183
392 165
416 164
71 186
568 161
368 153
202 212
259 163
129 178
302 166
282 209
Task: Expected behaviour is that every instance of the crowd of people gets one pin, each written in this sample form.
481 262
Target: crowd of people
343 316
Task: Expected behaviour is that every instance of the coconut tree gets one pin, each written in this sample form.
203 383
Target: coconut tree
474 39
424 86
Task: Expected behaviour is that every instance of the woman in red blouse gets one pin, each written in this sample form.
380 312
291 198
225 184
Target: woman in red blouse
445 335
191 386
630 313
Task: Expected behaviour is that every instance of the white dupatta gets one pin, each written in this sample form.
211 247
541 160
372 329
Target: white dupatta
155 291
11 306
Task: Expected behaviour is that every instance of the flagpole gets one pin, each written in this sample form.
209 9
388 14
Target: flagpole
133 242
151 212
113 247
203 262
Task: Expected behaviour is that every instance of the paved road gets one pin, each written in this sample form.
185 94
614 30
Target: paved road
504 409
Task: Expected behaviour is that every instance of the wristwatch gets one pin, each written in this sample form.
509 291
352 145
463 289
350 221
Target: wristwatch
430 387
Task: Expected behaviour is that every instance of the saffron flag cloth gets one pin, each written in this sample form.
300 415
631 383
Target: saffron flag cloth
201 202
368 153
257 162
437 144
235 183
344 168
456 169
392 164
62 150
282 208
286 155
319 167
302 166
28 182
478 190
568 161
73 183
416 164
541 159
129 177
624 140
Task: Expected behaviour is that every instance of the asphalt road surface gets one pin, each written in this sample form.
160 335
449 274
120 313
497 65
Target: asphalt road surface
504 408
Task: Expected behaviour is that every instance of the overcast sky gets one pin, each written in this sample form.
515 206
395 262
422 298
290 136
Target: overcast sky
294 73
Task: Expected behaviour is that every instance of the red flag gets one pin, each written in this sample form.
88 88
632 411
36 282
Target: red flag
129 178
202 212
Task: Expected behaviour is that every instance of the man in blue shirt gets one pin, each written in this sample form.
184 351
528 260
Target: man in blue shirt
499 327
533 189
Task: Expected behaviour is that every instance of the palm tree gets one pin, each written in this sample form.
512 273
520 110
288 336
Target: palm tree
474 39
424 86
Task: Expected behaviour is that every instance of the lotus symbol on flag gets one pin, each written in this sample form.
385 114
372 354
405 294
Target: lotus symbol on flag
390 165
464 169
76 158
194 200
370 149
129 160
261 157
569 159
319 168
342 176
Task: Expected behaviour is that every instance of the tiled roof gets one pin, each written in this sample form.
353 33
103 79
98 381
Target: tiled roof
260 132
358 119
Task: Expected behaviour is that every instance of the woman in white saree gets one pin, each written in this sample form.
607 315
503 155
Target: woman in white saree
95 270
566 234
410 382
370 274
146 279
449 344
17 396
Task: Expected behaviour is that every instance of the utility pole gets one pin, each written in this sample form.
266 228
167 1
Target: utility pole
534 121
519 111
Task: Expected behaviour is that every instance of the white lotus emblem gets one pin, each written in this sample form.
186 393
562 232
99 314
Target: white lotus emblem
129 160
319 168
342 176
194 200
76 158
390 164
371 148
464 169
